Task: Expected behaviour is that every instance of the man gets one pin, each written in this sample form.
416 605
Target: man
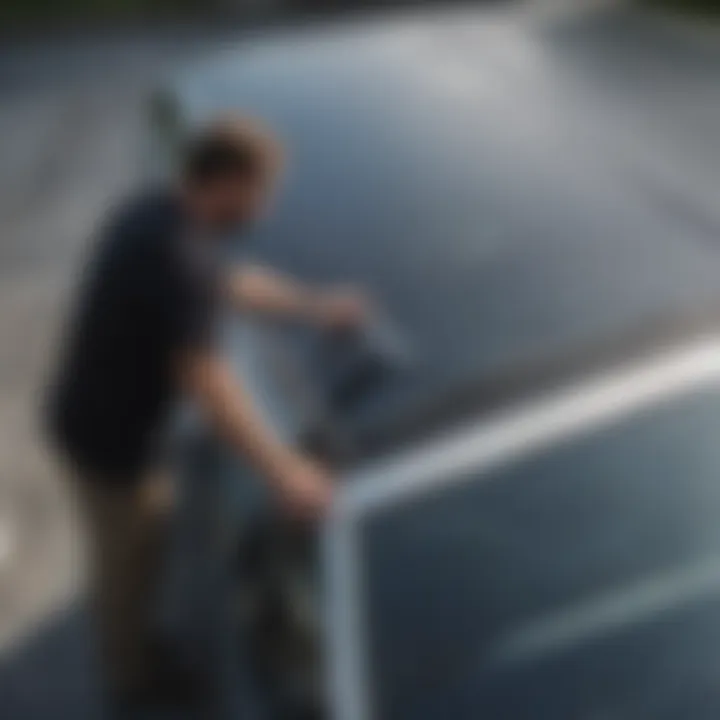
142 336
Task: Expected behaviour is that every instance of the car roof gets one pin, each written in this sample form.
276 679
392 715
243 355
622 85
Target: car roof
453 167
542 377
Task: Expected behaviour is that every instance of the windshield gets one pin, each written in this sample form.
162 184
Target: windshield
580 583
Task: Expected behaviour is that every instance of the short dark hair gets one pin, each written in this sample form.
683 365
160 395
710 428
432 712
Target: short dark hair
228 148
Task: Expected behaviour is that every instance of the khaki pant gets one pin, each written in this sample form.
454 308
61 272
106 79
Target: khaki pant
127 529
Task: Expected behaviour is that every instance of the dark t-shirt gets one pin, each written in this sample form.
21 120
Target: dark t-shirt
149 292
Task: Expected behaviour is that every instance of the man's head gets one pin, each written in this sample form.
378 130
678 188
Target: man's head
228 171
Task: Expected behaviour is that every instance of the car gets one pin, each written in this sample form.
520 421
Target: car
525 436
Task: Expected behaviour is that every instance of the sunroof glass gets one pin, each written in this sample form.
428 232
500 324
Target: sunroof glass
582 581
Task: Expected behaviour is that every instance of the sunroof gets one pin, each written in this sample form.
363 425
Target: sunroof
577 576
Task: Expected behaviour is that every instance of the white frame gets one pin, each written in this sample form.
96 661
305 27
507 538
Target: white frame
508 436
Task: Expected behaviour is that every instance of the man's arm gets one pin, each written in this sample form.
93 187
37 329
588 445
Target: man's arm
263 291
302 486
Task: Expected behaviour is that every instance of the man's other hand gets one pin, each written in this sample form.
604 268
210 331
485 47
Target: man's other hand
304 489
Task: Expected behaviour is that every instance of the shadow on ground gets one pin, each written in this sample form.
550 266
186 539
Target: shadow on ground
51 673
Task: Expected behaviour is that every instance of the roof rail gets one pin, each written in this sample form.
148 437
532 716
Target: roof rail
524 381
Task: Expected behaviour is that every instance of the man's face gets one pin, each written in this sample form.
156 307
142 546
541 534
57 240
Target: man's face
235 202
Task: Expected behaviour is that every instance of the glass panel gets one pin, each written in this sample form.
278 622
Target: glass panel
580 583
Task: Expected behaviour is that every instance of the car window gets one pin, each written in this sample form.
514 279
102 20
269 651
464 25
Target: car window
581 582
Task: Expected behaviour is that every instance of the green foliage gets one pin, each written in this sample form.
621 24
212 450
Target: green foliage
696 7
48 10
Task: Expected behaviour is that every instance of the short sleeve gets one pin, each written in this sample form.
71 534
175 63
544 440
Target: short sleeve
194 297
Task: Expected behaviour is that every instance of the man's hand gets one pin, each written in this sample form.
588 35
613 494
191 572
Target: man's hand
342 309
304 489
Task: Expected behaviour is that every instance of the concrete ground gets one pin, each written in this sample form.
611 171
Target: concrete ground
70 129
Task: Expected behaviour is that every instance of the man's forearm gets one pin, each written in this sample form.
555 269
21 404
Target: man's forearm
265 292
262 291
303 488
230 410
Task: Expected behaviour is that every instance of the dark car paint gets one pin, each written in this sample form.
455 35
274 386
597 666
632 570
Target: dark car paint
500 224
480 205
